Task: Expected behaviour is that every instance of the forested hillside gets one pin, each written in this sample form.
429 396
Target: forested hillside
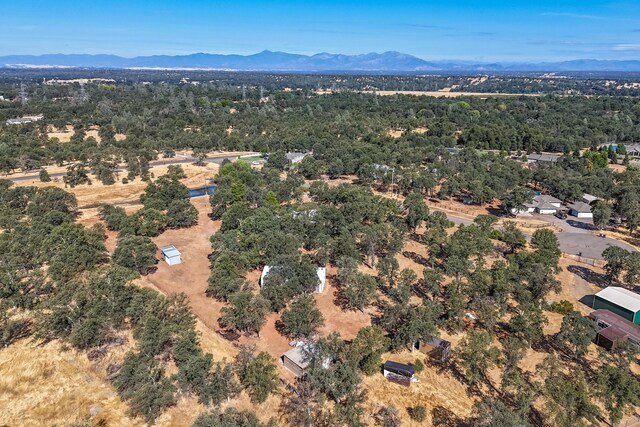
159 118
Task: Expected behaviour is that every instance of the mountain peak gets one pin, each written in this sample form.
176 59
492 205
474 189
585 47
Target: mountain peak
267 60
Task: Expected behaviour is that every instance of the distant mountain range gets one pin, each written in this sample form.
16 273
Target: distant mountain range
321 62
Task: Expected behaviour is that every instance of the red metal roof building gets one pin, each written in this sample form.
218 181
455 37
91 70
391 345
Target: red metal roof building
613 329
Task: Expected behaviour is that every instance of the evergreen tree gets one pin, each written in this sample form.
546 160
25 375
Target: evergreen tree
44 175
302 319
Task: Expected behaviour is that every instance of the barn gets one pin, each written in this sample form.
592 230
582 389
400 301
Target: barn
171 255
620 301
614 329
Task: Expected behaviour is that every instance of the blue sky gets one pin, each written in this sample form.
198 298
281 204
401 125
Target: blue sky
476 30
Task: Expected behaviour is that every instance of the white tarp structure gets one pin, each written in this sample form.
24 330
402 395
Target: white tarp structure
320 271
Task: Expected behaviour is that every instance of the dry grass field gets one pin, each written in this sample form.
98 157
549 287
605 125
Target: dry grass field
129 193
46 384
64 135
444 93
397 133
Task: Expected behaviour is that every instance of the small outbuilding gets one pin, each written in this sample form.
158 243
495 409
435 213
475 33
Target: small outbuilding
620 301
24 120
543 158
614 329
580 210
296 360
589 199
398 372
436 348
171 255
294 157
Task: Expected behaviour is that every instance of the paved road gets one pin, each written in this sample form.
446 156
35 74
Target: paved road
588 245
172 161
577 237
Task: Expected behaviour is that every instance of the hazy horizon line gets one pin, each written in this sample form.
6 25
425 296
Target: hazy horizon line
428 59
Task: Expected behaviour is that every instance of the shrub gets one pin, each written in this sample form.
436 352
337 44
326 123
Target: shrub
418 413
563 307
44 175
495 234
418 365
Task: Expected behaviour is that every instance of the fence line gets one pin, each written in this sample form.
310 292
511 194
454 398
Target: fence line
585 260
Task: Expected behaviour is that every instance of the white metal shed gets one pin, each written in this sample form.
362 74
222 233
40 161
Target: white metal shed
171 255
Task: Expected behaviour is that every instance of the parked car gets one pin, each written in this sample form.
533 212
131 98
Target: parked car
561 215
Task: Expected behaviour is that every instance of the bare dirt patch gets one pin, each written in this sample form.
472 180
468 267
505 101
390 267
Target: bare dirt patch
191 276
616 167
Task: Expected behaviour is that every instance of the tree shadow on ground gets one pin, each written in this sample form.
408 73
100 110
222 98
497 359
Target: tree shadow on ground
472 390
282 330
580 224
443 417
632 240
589 275
496 212
417 258
587 300
416 237
544 345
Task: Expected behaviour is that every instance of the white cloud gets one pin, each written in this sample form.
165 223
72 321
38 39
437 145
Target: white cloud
625 47
592 17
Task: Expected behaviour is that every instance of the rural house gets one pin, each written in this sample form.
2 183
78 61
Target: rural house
320 271
543 158
614 329
171 255
580 210
633 150
620 301
542 204
24 120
